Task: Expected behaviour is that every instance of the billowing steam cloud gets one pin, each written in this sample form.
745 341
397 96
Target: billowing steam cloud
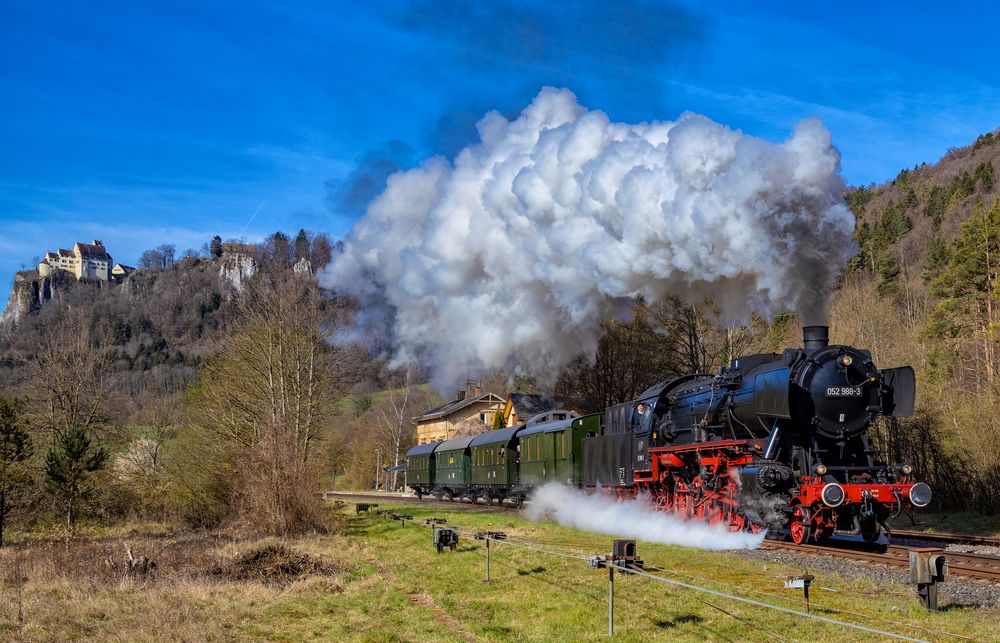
514 253
632 519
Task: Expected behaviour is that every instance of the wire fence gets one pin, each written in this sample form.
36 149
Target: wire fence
563 551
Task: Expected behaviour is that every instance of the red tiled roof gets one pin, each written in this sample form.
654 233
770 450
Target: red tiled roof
90 250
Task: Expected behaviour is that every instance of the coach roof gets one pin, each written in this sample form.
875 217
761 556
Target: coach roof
422 449
502 436
455 444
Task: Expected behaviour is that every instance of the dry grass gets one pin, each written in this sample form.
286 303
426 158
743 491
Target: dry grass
275 564
205 586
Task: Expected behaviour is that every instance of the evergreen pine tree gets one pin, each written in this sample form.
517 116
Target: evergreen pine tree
970 287
984 176
68 468
215 247
15 450
301 245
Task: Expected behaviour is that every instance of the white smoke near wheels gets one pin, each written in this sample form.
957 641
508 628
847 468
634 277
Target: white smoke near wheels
513 254
571 507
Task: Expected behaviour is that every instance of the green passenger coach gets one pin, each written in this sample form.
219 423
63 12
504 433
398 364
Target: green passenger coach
494 465
420 468
506 463
546 444
452 468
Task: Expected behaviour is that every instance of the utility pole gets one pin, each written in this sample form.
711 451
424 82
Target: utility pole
611 597
378 467
488 536
622 553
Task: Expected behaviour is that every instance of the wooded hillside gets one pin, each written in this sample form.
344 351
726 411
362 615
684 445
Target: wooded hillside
923 290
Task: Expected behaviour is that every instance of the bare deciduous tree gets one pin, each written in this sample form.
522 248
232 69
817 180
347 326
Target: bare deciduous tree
261 405
71 382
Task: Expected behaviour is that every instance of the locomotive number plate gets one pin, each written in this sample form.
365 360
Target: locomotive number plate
843 391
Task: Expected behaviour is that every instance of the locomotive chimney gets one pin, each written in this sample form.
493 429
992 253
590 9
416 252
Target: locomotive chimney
814 337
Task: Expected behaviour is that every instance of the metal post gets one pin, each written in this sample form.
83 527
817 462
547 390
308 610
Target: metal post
487 559
928 567
611 597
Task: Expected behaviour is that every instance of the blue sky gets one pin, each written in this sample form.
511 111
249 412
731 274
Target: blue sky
169 122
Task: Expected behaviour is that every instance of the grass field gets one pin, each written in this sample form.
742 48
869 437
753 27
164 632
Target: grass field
953 523
376 580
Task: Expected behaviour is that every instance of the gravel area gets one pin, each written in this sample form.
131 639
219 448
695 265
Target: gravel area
984 550
955 590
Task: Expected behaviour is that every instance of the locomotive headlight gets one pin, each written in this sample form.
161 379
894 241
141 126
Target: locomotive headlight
846 360
833 494
905 469
920 495
820 469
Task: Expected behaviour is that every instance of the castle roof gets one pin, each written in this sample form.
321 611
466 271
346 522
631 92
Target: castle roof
231 247
92 250
63 252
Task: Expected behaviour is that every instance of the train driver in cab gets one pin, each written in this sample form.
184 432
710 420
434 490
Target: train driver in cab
639 415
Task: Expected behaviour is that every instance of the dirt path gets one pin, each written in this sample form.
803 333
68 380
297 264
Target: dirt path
422 600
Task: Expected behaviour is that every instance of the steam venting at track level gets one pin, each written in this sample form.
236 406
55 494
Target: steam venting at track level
632 519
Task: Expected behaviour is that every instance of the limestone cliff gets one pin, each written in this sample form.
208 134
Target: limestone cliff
237 269
31 291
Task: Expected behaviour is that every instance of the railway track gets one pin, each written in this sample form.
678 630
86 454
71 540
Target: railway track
977 566
411 500
969 565
940 537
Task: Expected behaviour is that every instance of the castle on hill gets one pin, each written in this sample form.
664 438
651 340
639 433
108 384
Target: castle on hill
84 261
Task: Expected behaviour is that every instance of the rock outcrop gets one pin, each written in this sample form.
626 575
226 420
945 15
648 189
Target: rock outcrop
30 292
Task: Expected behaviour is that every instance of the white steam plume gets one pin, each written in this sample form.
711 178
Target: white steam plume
514 253
632 519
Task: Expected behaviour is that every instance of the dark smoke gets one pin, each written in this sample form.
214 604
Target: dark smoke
353 194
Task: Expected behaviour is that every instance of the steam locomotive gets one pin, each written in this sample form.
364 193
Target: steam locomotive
773 440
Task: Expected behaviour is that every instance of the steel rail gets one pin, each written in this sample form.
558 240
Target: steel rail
977 566
935 536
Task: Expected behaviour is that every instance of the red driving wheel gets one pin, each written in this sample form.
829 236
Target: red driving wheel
800 527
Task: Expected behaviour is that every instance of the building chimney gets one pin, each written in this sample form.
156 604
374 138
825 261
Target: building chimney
461 395
98 242
815 337
479 390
